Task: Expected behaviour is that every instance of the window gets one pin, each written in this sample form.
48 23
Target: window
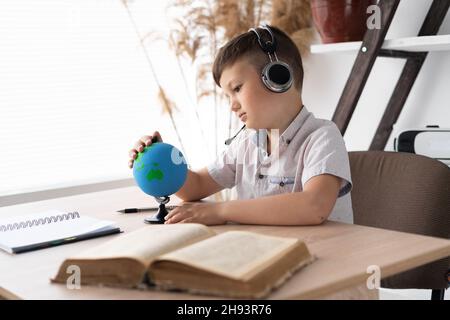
76 92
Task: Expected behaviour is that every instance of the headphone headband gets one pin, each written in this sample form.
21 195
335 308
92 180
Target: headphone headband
267 46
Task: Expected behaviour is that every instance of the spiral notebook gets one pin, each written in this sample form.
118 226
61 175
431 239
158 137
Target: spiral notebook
50 228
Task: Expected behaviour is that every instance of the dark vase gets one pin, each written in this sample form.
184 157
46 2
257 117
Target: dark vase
341 20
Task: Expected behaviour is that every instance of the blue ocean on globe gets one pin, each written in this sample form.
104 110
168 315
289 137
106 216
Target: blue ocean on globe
160 169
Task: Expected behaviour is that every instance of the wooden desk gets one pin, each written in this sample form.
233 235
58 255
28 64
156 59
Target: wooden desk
344 252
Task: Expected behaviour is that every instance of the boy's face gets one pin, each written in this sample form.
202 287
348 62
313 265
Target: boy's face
249 99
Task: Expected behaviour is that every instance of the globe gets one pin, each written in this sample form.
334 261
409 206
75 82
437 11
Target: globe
160 169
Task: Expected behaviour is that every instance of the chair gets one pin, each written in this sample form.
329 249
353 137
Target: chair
408 193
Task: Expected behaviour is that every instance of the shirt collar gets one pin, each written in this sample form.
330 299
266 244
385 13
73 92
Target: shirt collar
294 126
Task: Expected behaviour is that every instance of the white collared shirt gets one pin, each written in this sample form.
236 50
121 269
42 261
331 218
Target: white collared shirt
307 148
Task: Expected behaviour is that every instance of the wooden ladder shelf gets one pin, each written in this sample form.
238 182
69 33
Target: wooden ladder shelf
370 49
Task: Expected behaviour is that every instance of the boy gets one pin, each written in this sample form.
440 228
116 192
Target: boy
289 168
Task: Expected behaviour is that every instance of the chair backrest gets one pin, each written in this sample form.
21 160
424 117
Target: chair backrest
404 192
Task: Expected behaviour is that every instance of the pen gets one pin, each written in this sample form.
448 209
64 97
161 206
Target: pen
136 210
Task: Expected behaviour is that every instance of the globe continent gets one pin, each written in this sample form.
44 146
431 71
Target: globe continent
160 169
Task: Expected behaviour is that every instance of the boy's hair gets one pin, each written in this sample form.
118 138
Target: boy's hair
246 46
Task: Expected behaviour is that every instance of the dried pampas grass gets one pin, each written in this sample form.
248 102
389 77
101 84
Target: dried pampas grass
294 17
168 106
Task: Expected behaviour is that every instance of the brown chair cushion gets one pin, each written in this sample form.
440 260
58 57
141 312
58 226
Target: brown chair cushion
404 192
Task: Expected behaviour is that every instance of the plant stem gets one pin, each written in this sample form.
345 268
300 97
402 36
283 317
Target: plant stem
152 69
192 103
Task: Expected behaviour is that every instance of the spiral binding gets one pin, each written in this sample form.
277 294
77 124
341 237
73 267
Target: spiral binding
37 222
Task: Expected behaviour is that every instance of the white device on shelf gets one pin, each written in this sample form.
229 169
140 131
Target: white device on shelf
431 141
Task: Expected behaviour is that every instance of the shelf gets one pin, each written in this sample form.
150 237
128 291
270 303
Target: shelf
413 44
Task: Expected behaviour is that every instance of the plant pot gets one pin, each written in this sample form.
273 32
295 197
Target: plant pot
341 20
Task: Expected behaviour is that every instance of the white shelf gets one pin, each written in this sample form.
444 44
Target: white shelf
424 43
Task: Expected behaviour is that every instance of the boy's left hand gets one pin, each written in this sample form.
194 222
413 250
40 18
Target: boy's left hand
191 212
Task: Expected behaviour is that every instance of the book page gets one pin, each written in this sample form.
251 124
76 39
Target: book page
148 242
234 254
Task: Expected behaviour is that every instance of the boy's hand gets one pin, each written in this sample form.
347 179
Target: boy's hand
191 212
139 146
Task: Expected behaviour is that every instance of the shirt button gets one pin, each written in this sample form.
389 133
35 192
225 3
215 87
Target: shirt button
260 176
288 141
281 184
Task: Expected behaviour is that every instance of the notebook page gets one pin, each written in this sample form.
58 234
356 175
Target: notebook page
49 231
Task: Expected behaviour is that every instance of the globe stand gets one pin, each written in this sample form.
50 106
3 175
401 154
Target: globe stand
158 218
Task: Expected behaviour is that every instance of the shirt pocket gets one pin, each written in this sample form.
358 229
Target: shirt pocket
281 184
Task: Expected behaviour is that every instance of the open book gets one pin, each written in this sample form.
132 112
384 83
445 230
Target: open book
192 257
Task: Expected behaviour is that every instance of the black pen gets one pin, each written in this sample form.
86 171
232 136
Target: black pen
136 210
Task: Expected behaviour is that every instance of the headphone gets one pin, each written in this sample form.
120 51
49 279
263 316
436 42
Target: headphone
276 75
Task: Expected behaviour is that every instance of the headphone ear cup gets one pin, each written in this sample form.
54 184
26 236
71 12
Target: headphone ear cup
277 76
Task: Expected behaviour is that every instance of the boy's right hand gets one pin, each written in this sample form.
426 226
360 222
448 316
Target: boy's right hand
139 146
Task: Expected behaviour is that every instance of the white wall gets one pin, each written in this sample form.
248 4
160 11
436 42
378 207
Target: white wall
429 99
